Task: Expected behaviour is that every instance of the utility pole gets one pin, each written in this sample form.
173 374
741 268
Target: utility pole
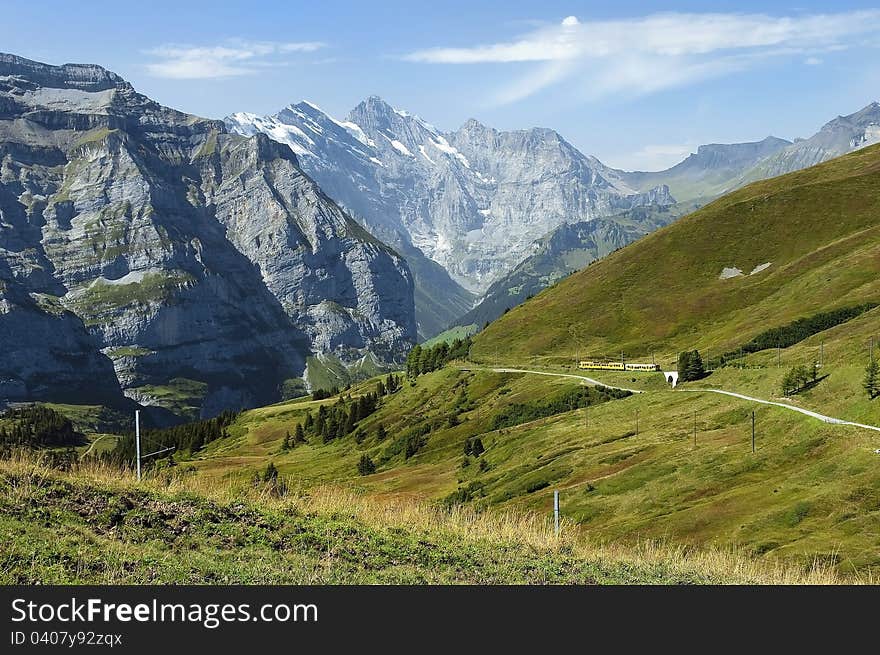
137 441
556 513
753 431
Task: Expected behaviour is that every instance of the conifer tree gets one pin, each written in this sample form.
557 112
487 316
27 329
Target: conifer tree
872 379
366 465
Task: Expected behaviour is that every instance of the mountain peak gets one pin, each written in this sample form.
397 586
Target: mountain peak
374 104
472 126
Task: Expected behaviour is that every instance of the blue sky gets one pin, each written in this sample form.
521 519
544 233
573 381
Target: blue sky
637 84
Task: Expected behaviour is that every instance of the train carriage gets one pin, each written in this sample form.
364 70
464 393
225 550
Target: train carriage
617 366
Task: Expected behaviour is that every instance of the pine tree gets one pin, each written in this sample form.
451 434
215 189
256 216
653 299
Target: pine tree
299 435
695 368
872 379
684 362
477 447
787 383
366 465
308 422
271 473
285 444
321 421
414 362
380 433
329 431
380 388
351 420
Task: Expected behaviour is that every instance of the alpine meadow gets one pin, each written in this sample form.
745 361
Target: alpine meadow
347 343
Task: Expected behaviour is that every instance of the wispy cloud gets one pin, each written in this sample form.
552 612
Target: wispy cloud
652 53
656 157
233 57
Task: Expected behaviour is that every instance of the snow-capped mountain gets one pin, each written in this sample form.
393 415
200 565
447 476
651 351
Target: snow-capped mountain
474 200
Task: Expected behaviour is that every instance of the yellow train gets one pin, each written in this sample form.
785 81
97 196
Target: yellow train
618 366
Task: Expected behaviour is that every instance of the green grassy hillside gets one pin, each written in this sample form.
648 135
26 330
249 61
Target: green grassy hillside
811 490
669 464
91 525
817 229
628 467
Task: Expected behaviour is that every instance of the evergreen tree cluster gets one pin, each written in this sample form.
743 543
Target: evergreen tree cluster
690 366
410 442
323 394
366 465
391 384
473 446
299 436
424 360
337 420
36 426
799 377
517 413
796 331
187 437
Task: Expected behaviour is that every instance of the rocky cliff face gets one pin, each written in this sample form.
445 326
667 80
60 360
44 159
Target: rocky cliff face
717 169
837 137
473 201
153 248
712 170
345 162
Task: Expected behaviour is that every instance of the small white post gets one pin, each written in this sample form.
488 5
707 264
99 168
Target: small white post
137 440
556 512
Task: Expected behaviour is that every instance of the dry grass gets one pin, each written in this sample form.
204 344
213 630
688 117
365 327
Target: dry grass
724 565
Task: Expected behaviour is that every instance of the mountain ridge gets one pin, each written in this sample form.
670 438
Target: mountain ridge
472 200
205 267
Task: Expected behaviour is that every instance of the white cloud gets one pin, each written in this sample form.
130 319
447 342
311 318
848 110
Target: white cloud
812 61
651 53
235 57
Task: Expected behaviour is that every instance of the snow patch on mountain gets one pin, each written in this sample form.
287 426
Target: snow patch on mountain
729 272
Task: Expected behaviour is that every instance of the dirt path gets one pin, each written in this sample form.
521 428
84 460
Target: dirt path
563 375
793 408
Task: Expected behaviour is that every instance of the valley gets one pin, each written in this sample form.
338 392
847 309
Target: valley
356 345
